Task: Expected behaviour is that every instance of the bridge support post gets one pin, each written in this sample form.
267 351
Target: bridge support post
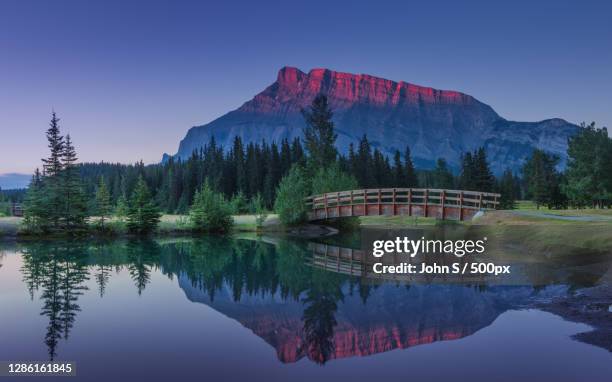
365 203
426 200
394 205
410 202
443 199
461 206
325 199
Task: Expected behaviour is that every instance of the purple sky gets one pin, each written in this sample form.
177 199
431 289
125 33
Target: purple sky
129 78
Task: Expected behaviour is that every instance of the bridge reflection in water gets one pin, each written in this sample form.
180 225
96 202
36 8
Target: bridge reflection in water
425 202
301 310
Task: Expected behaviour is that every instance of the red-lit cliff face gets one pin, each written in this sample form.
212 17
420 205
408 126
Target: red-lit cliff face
295 89
434 123
394 318
351 341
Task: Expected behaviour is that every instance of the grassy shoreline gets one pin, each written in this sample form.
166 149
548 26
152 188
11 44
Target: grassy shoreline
177 225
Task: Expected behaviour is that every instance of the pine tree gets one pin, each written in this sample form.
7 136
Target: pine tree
74 211
239 165
103 203
443 178
467 177
589 168
122 209
36 217
319 135
143 216
52 168
364 166
210 212
485 180
507 189
260 211
292 190
542 179
399 179
411 176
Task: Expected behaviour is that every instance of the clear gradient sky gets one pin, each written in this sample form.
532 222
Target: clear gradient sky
128 78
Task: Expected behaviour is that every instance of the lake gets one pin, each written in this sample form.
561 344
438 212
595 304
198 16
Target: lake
260 309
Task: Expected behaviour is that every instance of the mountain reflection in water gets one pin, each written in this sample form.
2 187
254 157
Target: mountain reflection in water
300 310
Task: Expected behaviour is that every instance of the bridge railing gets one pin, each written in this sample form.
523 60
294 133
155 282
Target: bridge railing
400 197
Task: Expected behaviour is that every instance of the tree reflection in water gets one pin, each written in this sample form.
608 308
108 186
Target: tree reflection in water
60 272
331 319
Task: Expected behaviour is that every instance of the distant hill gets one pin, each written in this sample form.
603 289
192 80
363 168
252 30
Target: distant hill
14 180
435 123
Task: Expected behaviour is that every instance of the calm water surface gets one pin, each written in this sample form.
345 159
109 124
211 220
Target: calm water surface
241 309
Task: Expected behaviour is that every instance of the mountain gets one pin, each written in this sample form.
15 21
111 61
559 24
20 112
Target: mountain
434 123
14 181
394 318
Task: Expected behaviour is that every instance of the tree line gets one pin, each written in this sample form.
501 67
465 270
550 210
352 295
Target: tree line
215 182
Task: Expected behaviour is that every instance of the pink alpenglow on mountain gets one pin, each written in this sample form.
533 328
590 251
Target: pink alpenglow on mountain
434 123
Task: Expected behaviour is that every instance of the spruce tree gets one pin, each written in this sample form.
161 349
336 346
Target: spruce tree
589 168
52 167
364 166
292 190
485 180
542 179
143 216
443 178
319 135
210 212
467 176
74 212
507 189
36 213
411 176
103 203
399 179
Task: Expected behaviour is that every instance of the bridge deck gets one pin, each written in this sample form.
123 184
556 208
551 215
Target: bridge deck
426 202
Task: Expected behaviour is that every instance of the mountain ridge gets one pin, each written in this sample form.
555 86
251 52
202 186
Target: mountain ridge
434 123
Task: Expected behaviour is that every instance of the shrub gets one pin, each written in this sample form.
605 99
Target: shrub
332 179
210 212
143 216
261 214
292 190
239 204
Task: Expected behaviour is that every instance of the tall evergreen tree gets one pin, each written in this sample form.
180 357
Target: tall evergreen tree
484 179
52 167
507 189
467 177
411 176
589 168
542 179
36 216
103 202
364 166
443 178
74 205
319 135
143 216
399 175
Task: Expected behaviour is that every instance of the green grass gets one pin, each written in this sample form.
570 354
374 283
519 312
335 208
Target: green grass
396 221
168 225
528 205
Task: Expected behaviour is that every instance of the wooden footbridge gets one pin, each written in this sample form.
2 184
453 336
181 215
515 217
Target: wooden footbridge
425 202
